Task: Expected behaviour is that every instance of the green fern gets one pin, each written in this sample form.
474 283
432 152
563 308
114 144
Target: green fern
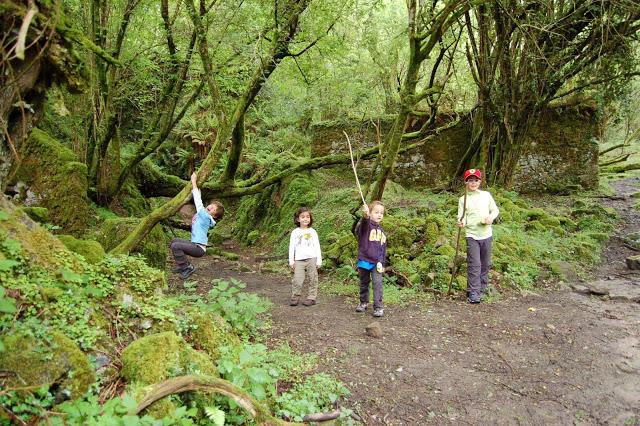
215 414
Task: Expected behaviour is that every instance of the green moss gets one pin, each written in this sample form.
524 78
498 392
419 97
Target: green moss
446 250
39 214
154 247
535 225
159 409
598 236
402 237
53 173
535 214
343 251
210 333
130 202
33 361
157 357
226 254
51 294
92 251
252 237
37 245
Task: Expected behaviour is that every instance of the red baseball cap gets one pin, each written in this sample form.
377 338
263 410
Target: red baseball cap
472 172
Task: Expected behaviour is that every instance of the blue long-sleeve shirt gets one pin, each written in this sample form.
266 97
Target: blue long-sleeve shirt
201 221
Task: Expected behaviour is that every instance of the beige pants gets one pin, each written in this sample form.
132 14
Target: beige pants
302 268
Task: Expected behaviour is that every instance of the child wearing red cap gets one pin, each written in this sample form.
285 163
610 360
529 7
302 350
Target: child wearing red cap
476 212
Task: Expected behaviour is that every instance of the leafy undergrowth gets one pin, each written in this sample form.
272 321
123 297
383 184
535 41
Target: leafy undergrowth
105 308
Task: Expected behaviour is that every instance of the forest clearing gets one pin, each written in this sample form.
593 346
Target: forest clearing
374 212
561 356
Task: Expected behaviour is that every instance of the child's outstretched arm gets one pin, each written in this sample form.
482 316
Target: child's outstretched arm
365 211
197 198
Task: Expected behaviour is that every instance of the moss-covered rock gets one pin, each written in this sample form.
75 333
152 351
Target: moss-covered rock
129 201
51 294
446 250
154 247
91 250
210 333
54 359
39 214
344 250
37 245
59 181
157 357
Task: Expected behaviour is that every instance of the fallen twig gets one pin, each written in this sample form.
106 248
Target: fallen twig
321 417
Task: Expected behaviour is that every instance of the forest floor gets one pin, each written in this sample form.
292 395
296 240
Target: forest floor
561 356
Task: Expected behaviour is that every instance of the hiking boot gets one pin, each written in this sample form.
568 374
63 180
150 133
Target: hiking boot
378 312
294 301
361 307
309 302
186 272
177 269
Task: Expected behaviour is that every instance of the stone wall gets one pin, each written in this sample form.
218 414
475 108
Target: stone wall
563 154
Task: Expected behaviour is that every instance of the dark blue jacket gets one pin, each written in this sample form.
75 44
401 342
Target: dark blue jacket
372 241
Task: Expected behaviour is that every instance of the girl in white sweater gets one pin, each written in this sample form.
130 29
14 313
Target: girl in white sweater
304 257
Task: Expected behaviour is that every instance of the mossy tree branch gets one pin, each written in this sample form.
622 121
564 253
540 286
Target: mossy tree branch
154 183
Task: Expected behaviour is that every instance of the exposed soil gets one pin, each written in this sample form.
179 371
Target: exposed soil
560 357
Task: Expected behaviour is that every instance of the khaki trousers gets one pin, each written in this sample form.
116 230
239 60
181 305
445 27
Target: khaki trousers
301 269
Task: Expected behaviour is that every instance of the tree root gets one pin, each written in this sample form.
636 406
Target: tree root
181 384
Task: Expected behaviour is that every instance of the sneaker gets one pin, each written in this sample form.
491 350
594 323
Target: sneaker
177 269
309 302
294 301
473 298
378 312
361 307
186 272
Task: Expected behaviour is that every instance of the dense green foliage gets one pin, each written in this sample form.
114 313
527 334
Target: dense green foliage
171 83
60 314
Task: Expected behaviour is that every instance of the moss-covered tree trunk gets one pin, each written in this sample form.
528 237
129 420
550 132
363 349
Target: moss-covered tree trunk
288 15
41 41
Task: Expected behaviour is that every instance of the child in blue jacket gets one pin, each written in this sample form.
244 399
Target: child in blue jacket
202 221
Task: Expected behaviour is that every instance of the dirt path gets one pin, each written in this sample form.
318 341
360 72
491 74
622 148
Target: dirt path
562 357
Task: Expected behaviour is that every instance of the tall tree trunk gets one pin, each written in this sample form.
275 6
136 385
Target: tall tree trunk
235 152
427 25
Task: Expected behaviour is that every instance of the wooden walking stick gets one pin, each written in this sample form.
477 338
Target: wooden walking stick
353 166
454 270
